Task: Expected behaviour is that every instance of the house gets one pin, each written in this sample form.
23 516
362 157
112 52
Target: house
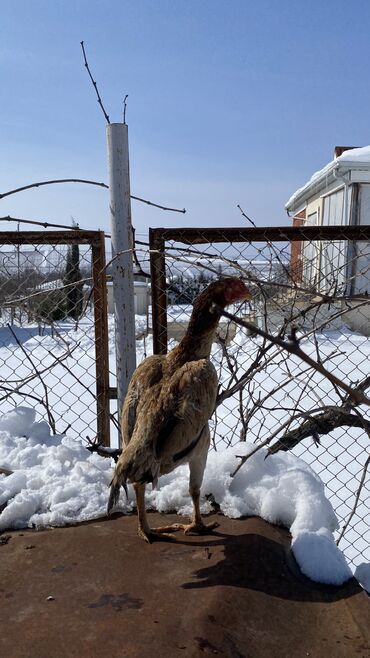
338 194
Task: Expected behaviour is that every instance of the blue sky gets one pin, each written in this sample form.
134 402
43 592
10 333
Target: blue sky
229 102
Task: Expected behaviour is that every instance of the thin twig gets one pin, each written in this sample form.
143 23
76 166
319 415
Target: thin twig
246 216
86 182
357 499
23 382
156 205
124 108
31 396
55 181
266 442
293 348
18 220
94 83
50 415
325 422
102 451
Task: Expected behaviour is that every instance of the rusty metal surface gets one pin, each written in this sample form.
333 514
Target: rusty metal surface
159 291
237 594
191 236
101 340
80 236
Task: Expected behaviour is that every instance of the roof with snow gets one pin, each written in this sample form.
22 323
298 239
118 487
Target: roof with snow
356 158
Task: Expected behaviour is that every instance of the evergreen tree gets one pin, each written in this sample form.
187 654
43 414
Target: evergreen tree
74 294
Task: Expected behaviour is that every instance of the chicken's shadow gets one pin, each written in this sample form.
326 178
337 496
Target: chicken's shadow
255 562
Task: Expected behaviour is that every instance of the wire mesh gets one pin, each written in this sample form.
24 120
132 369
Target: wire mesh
53 335
310 286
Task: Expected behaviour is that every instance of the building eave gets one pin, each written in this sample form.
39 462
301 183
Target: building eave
334 170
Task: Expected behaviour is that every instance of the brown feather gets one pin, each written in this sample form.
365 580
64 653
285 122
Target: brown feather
171 398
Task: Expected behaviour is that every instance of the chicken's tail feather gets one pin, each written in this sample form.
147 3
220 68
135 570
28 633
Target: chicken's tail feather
134 465
118 481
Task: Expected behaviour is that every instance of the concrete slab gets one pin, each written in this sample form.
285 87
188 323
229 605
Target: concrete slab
95 590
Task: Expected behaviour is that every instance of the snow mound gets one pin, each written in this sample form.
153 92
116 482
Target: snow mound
362 574
56 481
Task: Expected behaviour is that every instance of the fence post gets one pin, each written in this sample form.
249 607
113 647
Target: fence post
101 339
122 269
159 291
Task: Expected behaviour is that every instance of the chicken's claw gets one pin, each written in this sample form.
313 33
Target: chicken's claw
199 528
157 534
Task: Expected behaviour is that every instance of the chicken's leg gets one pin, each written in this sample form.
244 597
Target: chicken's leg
197 526
197 466
144 530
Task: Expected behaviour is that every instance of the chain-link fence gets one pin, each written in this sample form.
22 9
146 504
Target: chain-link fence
54 330
310 290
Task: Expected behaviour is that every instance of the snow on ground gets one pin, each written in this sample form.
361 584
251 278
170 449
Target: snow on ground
57 481
338 460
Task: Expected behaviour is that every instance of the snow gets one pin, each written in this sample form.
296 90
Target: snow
362 574
356 156
338 460
57 481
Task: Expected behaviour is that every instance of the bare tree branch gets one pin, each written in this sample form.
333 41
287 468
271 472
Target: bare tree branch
94 83
357 499
124 108
102 451
18 220
317 426
293 348
86 182
52 182
47 407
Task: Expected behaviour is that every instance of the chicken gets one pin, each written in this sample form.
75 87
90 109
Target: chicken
169 402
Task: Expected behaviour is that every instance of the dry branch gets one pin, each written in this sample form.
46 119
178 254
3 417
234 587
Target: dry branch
86 182
51 182
94 82
317 426
51 418
356 501
292 346
102 451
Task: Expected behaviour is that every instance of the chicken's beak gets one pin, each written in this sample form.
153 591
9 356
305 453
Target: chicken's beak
238 293
247 295
243 294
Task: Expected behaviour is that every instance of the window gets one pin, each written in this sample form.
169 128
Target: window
333 257
310 254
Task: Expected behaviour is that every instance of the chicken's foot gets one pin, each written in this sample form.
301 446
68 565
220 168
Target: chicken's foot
144 531
196 528
151 535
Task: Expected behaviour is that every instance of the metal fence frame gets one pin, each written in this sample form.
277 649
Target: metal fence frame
96 240
197 236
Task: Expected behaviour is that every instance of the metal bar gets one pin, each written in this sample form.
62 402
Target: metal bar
113 393
159 291
262 234
101 340
48 237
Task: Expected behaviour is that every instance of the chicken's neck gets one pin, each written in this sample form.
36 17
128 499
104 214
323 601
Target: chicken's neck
197 342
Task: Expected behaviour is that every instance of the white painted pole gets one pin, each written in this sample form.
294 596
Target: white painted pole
122 270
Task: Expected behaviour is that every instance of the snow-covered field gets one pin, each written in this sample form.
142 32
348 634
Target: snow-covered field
56 481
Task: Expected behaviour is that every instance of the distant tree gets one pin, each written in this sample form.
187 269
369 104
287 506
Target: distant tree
50 307
183 290
72 279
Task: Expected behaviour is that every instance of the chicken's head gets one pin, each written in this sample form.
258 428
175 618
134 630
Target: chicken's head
235 290
205 316
222 292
